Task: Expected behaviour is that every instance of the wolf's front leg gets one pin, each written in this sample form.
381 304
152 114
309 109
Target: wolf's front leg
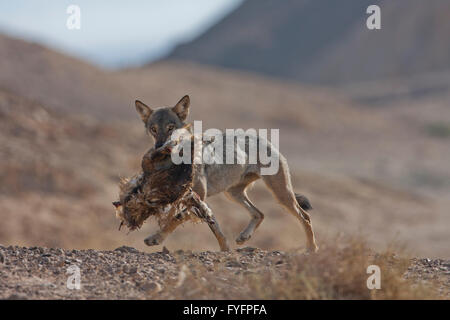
155 239
214 226
166 229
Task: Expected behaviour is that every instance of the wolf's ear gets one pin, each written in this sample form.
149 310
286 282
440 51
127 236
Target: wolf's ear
182 108
143 110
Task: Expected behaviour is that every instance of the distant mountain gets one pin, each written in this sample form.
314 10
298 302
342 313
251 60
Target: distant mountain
327 41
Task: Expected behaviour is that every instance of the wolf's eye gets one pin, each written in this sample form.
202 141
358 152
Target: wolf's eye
170 127
153 129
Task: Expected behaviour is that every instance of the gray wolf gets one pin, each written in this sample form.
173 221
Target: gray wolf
231 179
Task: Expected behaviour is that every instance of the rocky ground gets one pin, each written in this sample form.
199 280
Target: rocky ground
431 270
126 273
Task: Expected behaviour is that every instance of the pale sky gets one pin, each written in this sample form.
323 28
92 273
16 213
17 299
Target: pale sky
114 33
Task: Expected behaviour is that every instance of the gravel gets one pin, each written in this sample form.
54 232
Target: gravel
126 273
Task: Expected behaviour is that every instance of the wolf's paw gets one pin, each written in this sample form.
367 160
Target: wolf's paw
225 247
154 240
243 237
312 249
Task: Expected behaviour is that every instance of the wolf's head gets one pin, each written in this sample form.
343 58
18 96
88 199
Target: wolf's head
161 122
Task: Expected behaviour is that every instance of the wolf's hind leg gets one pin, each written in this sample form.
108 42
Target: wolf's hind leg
238 194
281 187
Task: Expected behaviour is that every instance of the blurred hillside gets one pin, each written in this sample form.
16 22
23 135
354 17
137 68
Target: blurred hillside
36 72
382 172
327 41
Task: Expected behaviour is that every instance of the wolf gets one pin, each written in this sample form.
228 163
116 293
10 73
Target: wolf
231 179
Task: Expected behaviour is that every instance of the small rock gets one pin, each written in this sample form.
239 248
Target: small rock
277 253
233 264
161 270
246 249
2 258
165 250
126 249
151 287
129 270
43 260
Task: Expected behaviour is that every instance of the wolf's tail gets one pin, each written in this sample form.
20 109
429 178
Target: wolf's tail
303 202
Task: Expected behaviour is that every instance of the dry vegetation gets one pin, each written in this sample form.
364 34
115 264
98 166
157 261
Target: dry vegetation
338 271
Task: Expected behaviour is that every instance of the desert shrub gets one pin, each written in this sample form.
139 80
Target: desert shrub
337 271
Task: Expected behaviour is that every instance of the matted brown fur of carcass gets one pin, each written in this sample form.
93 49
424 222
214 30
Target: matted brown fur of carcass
162 190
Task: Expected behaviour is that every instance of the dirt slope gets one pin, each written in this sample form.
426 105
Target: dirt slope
56 80
56 169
